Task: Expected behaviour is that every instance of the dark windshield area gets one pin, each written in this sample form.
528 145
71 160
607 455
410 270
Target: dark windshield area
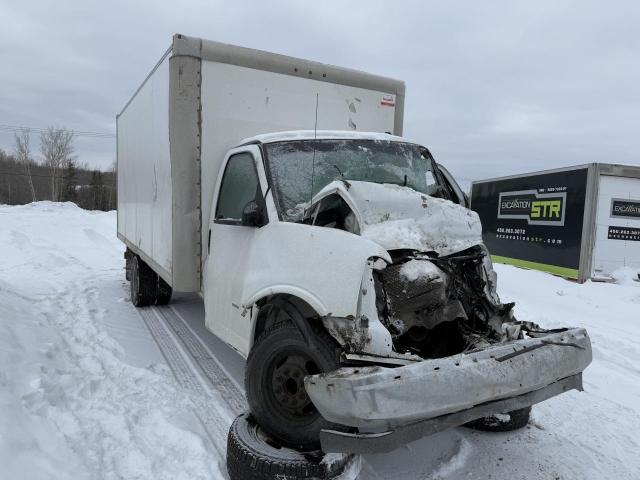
293 168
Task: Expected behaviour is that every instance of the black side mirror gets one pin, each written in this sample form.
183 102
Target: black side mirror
252 215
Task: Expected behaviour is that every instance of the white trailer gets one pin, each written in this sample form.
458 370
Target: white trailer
199 101
616 224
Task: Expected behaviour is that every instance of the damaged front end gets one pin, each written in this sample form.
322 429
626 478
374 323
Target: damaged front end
467 356
432 346
436 307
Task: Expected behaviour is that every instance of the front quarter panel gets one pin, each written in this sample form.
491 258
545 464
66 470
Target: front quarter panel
322 266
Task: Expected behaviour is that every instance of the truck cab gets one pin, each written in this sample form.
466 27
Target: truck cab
349 271
262 239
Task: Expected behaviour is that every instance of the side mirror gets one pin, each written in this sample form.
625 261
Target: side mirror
252 215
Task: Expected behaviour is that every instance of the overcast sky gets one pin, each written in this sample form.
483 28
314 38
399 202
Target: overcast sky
493 87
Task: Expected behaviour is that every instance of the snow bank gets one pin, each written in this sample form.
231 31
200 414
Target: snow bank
626 275
73 403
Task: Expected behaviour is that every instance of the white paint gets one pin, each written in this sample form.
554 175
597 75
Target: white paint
609 254
240 102
398 217
144 170
321 266
324 135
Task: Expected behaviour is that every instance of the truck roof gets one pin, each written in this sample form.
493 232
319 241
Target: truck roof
322 135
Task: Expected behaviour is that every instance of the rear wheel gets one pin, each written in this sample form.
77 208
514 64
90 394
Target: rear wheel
274 381
143 283
504 422
163 292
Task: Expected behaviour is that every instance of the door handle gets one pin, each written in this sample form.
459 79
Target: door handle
209 243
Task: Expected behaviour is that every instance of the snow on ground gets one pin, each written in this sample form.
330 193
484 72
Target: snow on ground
74 402
86 393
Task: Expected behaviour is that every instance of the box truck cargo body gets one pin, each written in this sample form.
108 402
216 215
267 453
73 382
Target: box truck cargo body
200 100
579 222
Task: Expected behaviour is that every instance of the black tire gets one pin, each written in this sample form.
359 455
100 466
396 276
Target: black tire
274 383
143 283
163 292
251 455
493 423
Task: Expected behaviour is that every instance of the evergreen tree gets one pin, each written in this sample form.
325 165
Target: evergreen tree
70 182
97 190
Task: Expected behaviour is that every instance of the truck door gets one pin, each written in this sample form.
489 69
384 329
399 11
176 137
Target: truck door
229 244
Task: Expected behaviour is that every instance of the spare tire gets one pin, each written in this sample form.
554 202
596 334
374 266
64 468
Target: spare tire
505 422
252 455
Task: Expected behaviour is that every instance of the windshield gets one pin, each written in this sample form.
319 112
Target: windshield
293 169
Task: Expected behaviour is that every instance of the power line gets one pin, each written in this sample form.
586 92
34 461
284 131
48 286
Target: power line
77 133
60 175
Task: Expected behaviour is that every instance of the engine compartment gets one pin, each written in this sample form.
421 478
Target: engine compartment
439 306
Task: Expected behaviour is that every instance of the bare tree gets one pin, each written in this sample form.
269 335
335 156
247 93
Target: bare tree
23 155
56 145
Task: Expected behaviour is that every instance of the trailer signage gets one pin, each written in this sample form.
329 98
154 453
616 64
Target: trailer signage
534 207
388 101
534 221
624 233
621 208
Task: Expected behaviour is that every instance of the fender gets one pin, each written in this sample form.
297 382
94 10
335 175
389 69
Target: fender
322 266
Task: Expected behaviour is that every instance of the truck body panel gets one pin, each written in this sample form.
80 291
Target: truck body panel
240 102
199 101
144 172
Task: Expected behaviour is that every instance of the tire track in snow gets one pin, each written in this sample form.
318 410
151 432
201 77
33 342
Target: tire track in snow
208 409
206 360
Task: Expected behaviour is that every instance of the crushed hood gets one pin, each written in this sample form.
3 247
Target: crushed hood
397 217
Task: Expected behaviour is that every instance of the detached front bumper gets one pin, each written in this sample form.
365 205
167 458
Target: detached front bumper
393 401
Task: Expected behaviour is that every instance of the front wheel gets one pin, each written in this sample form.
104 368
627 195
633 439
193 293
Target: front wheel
274 381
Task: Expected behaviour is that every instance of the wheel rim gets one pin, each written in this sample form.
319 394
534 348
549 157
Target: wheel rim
287 384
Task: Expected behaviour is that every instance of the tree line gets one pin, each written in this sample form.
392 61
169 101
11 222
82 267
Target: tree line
57 176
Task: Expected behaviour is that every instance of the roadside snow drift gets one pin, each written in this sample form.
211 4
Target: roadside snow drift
73 402
85 392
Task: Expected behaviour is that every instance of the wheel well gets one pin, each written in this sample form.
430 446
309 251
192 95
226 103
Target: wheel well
264 320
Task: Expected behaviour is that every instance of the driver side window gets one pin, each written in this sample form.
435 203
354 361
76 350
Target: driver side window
239 186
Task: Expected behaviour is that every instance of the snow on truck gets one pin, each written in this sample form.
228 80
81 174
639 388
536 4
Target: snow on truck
343 264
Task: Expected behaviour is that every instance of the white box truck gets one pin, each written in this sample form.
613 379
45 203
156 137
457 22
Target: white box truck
336 256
